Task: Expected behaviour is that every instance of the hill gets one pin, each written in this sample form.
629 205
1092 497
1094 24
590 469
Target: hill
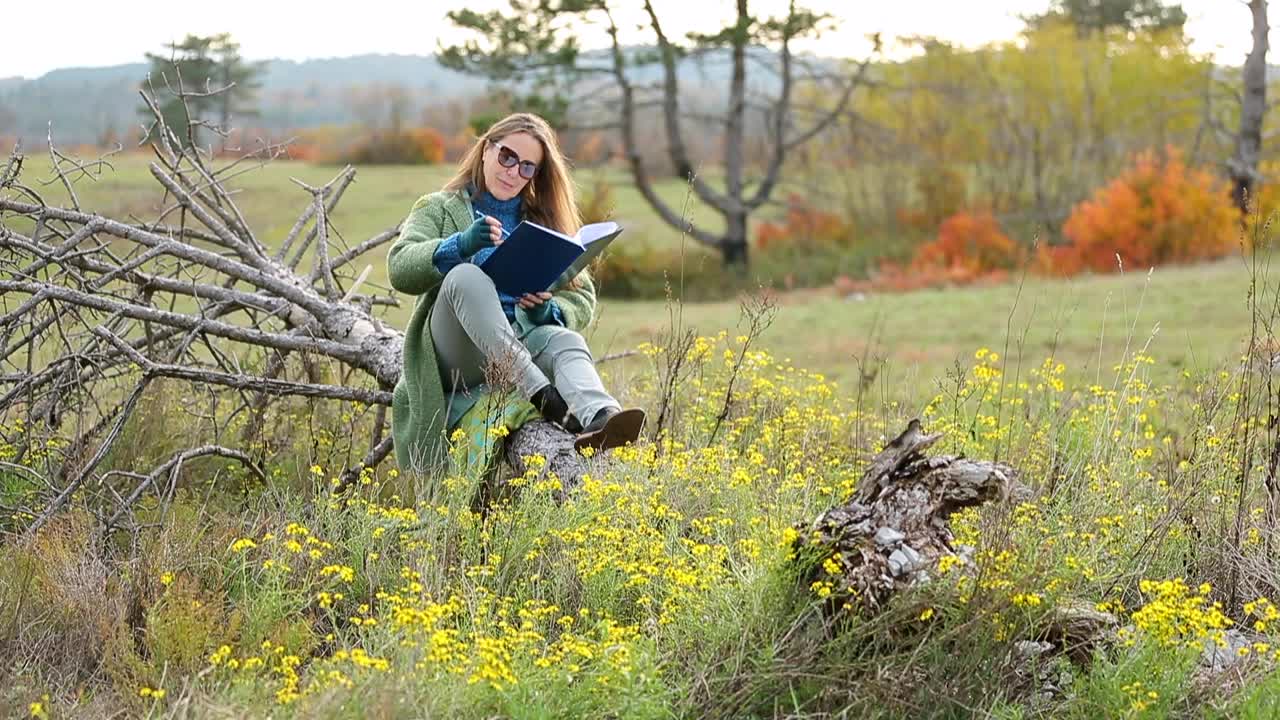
84 104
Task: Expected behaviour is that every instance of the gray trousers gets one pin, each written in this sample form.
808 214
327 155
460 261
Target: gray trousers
476 343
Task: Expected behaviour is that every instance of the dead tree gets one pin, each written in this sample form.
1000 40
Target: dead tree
891 534
539 44
95 309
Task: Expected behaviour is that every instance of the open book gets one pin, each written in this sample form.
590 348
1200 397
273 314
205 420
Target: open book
534 258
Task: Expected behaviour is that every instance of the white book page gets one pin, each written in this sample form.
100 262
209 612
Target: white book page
593 232
594 239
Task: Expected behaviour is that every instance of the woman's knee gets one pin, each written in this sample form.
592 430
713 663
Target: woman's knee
563 340
467 280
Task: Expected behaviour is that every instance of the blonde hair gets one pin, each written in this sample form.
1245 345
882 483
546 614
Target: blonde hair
548 199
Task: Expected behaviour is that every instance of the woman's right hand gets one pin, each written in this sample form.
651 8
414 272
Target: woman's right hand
484 232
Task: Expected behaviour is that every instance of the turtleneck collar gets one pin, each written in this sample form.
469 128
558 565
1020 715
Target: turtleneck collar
490 205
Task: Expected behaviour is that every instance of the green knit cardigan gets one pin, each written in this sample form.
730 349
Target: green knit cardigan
420 409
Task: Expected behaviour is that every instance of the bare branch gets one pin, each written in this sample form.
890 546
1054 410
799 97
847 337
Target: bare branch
172 466
372 243
675 137
639 172
335 189
372 459
186 322
246 382
125 411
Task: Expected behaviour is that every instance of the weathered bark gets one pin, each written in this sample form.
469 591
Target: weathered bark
1077 629
1243 166
555 446
892 533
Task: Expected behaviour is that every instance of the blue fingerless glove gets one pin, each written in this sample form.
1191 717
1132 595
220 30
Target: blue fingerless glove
474 238
543 314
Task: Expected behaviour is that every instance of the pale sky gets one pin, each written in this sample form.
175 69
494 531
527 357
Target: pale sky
41 36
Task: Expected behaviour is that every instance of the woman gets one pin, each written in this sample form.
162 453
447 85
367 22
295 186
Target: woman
462 328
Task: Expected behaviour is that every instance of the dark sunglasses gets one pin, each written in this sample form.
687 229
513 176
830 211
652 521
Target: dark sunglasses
508 158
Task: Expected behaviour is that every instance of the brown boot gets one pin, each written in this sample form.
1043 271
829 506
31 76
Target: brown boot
611 428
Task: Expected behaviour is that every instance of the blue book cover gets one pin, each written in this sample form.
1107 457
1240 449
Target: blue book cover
534 258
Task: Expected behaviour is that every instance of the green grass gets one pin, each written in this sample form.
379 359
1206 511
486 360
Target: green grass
1189 317
380 197
664 587
1085 322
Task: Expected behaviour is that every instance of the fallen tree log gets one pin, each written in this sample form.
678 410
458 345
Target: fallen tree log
555 446
95 308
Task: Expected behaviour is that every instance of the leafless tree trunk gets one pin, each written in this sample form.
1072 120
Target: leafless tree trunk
614 88
734 203
1243 166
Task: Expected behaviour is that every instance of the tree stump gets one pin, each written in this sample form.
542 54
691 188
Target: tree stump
894 530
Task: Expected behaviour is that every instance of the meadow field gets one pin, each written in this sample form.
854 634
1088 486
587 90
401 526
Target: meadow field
989 426
1190 318
679 580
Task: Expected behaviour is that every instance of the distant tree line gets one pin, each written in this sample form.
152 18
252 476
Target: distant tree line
1026 129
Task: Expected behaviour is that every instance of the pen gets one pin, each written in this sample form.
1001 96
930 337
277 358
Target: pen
481 216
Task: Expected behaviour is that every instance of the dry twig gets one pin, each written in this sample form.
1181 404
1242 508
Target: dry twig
93 309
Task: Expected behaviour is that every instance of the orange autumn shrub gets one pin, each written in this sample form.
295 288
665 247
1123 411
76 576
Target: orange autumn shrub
804 226
970 248
1057 260
892 277
970 244
1159 211
430 144
413 146
318 144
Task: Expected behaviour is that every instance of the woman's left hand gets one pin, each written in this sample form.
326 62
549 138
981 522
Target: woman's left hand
533 300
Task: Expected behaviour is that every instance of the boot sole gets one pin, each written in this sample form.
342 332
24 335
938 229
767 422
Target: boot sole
618 430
